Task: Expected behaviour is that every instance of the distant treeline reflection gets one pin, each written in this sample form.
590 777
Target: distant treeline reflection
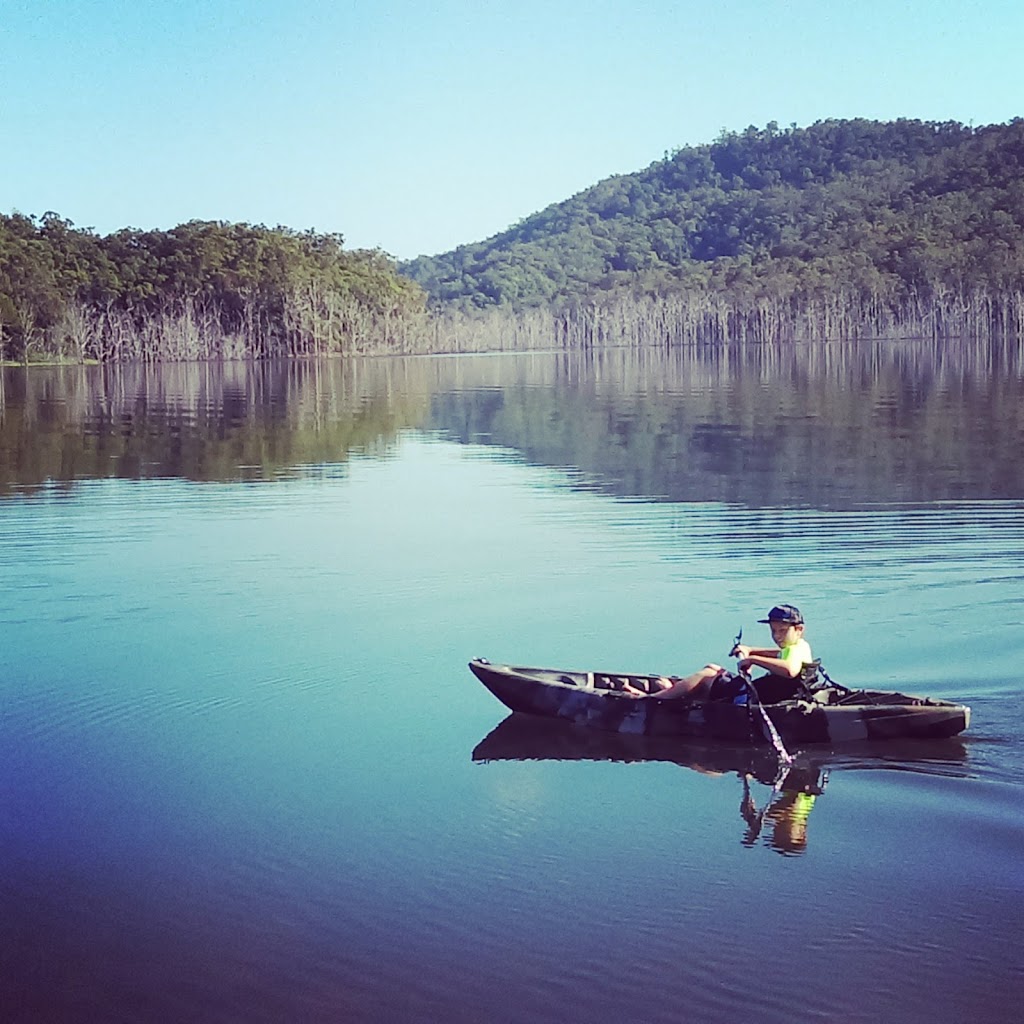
194 421
848 423
835 425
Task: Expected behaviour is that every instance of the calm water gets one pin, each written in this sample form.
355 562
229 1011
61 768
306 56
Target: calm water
248 777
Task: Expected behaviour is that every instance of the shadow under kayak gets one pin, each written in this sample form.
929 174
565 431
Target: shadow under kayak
832 714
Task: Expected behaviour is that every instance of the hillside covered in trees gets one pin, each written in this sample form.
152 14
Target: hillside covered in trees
841 229
890 210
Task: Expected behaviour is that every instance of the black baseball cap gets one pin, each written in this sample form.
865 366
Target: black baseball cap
785 613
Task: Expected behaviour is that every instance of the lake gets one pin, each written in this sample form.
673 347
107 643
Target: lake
248 776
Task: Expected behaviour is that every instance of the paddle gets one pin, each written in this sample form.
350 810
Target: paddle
753 700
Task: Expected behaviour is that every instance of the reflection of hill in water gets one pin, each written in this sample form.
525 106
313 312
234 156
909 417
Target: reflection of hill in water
824 425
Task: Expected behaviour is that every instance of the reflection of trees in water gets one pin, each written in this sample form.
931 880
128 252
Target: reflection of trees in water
772 426
826 424
198 421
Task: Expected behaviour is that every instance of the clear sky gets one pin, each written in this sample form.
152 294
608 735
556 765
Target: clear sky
417 126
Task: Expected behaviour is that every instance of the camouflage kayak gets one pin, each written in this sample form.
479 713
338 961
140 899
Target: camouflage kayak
830 713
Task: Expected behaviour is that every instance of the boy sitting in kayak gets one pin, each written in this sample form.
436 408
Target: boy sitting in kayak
783 662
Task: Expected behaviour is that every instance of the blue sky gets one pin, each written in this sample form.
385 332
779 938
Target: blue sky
415 127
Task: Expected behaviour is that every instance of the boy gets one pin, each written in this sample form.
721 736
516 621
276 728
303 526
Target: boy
783 662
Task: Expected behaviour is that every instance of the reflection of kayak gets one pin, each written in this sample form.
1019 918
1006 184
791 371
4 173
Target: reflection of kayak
529 738
831 714
781 821
522 737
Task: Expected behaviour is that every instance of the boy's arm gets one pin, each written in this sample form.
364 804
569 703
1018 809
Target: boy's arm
768 658
742 651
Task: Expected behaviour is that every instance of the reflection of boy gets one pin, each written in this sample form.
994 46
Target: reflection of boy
788 814
783 662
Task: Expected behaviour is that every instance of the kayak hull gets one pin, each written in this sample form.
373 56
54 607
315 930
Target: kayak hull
834 715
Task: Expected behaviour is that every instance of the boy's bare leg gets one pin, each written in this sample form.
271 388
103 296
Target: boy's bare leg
688 686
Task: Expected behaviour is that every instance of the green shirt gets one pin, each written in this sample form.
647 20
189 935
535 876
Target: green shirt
796 655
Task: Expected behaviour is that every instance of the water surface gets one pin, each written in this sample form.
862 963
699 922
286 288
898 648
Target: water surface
248 776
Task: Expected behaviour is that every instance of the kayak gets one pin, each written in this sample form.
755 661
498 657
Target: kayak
829 713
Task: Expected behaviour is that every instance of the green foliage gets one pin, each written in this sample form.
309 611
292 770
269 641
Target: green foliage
238 275
885 207
893 221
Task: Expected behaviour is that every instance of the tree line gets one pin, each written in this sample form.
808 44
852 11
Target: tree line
846 228
202 289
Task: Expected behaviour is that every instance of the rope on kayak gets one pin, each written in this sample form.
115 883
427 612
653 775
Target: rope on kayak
827 680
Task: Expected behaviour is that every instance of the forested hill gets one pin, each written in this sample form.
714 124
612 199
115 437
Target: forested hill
888 209
842 229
